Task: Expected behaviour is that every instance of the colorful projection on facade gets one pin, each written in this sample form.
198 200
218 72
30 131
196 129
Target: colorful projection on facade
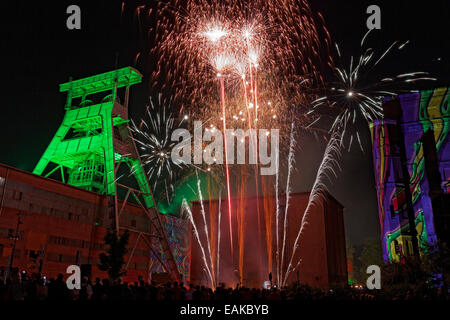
177 231
421 111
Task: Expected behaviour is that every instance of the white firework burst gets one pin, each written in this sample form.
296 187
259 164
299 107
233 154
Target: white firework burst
353 93
153 138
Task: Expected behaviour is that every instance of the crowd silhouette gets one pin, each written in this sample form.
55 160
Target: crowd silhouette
33 287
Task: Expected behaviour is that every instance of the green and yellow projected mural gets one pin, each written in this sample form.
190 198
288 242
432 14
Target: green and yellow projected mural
421 111
399 241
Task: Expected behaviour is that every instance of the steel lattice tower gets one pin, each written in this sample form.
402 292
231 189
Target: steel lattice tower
92 142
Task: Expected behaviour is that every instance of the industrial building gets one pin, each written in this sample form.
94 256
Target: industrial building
58 225
411 156
321 247
47 225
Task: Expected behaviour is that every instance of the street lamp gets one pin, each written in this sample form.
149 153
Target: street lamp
15 238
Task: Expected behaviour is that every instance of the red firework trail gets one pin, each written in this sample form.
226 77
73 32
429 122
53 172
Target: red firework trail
222 98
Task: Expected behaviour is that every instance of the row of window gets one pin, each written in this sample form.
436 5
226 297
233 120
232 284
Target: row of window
85 244
68 242
132 222
75 243
11 233
137 266
78 259
33 207
18 195
144 253
74 259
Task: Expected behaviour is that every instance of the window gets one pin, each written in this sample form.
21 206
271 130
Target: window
74 217
133 223
392 212
396 247
60 258
17 195
33 254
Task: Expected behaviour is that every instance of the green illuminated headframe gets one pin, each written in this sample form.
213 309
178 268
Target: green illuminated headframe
102 82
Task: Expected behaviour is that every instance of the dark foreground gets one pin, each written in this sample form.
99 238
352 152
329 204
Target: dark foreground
36 289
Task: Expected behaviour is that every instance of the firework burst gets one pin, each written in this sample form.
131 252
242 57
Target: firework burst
265 51
353 94
153 138
327 170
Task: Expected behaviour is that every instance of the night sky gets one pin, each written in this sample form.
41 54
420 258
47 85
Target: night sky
39 53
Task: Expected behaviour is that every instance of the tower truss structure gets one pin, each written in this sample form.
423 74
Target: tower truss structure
94 140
